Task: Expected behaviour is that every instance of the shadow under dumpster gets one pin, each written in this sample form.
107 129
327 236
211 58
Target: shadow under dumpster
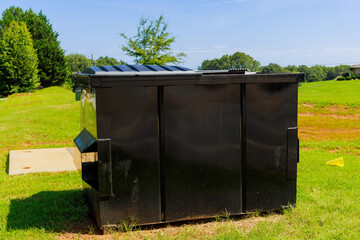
60 211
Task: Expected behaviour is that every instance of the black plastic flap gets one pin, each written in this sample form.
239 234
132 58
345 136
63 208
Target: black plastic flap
85 142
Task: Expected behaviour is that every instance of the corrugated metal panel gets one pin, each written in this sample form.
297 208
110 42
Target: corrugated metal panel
170 68
182 68
108 68
141 70
123 68
155 67
92 70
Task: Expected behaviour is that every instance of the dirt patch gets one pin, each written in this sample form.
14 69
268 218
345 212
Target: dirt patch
19 95
334 116
307 149
329 123
356 154
349 116
306 114
334 150
337 108
328 134
308 105
82 230
330 109
188 231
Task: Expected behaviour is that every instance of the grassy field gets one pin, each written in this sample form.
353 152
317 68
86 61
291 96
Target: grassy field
331 92
48 205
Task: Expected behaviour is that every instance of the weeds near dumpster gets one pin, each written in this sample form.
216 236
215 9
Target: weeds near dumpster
130 226
223 217
91 229
254 214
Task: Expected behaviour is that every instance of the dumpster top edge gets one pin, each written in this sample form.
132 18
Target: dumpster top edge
136 70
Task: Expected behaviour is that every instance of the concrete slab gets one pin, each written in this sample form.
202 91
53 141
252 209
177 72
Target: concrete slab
44 160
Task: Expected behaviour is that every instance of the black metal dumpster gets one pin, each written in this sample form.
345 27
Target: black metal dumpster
164 143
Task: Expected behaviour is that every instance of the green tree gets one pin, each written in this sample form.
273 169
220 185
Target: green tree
291 69
152 43
303 68
52 63
18 60
108 61
77 62
312 77
11 14
315 73
331 73
342 69
272 68
214 64
235 61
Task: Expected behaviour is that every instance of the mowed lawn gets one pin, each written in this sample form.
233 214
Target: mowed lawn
49 205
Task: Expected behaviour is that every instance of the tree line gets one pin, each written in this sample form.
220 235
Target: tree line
31 55
242 60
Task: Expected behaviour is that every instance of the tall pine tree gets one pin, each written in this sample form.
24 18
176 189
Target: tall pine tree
52 63
18 60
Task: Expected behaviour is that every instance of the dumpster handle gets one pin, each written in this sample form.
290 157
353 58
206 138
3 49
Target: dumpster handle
105 168
292 157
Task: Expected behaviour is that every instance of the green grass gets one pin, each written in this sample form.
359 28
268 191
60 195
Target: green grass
39 206
48 205
331 92
50 116
327 203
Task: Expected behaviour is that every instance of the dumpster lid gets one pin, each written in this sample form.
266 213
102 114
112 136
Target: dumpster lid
161 75
137 70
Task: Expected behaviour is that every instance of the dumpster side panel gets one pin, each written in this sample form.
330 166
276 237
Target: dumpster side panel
271 117
88 110
128 124
202 162
88 160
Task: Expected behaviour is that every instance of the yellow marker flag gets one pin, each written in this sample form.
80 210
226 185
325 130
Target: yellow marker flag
336 162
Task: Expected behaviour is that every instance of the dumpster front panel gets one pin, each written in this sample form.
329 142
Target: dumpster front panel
270 171
202 158
128 147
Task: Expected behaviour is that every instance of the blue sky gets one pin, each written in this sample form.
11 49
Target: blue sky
282 31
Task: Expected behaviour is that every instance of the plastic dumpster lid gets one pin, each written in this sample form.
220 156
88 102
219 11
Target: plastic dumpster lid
137 70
